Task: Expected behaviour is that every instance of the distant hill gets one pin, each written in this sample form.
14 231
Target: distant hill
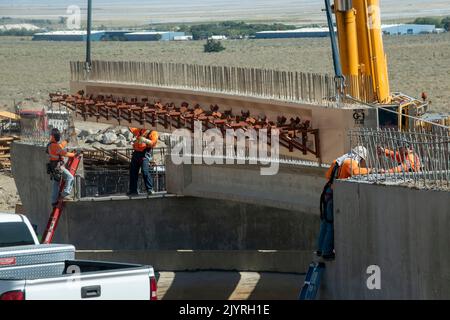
159 11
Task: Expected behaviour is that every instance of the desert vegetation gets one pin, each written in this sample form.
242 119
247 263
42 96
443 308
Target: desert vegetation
34 68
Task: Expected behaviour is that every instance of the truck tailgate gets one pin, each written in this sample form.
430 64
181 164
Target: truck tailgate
133 284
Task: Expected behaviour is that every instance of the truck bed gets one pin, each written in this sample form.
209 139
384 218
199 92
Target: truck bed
63 268
91 280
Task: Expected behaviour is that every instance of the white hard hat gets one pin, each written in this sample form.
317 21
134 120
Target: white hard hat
360 151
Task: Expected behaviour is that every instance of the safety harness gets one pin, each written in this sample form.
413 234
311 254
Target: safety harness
327 193
54 166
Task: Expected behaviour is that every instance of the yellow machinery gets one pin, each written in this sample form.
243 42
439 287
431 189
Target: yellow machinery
361 45
362 55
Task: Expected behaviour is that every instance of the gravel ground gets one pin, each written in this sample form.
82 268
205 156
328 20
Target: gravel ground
8 193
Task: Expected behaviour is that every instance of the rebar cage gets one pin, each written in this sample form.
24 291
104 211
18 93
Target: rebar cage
414 158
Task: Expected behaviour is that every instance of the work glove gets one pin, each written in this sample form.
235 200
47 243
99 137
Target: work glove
380 150
141 139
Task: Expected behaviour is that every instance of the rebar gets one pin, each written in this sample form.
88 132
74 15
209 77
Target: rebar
274 84
414 158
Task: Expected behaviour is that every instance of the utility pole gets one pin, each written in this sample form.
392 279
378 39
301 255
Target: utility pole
88 36
339 77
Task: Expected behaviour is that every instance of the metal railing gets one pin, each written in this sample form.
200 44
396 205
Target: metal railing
37 137
106 173
103 182
281 85
414 158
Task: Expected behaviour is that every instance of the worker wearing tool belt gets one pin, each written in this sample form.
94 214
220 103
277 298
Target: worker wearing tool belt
145 141
350 164
55 166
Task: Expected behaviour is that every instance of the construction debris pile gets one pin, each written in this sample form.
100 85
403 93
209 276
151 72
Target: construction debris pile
295 133
111 137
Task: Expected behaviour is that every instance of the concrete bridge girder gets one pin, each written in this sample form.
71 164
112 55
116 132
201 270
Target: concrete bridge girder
333 123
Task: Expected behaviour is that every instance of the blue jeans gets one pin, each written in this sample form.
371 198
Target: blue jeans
140 160
68 180
325 244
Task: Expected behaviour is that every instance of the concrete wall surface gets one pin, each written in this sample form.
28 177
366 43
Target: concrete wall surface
291 261
184 233
404 231
28 165
187 223
295 188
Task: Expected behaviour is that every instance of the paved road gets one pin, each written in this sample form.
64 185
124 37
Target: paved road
216 285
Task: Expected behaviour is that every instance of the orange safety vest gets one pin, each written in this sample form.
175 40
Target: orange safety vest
348 169
56 150
410 163
142 146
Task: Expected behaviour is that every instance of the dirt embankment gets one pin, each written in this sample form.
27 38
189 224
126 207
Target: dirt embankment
8 193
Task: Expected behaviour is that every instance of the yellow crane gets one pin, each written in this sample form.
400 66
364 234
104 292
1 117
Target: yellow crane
361 53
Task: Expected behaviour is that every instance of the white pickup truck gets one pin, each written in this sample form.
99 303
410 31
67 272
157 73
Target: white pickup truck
31 271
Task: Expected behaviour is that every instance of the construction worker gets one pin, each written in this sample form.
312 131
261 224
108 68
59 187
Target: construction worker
350 164
406 159
55 167
145 141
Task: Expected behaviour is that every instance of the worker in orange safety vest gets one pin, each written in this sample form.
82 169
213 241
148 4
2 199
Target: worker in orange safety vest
350 164
145 141
55 167
407 160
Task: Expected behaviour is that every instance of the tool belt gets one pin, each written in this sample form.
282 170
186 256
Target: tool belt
327 196
54 170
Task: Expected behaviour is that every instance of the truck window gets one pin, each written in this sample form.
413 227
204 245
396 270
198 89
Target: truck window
15 234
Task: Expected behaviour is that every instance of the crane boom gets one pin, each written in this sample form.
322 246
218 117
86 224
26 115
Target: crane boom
361 44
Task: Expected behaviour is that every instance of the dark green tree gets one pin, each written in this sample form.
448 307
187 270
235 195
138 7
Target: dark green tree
213 46
446 23
429 20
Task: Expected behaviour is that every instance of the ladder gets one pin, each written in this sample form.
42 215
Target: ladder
312 281
72 166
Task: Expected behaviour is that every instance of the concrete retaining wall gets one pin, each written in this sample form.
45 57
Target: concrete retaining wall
184 233
285 261
34 186
185 223
404 231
